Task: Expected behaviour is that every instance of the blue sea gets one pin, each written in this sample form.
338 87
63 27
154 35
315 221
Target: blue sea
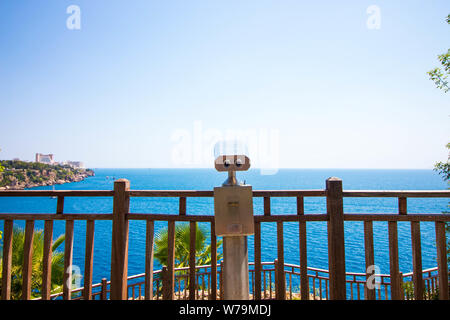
206 179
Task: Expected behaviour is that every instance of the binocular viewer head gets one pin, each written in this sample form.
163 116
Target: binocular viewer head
231 156
232 163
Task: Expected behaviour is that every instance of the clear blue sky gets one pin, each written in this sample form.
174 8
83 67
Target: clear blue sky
117 91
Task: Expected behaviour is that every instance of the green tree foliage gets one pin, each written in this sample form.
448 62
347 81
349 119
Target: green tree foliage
443 168
182 245
1 167
37 264
440 76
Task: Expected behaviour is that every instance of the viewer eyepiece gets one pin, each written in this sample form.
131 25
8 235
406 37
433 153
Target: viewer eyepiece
231 155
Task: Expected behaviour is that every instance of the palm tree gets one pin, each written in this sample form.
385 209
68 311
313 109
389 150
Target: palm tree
37 264
182 246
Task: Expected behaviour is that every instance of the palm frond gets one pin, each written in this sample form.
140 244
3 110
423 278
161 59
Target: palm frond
58 242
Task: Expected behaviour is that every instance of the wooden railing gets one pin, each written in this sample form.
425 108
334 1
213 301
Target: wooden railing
335 283
318 281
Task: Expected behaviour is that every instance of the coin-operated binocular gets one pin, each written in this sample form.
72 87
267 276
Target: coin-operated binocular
233 207
233 202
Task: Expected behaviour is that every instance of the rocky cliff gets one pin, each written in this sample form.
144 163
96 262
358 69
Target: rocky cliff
17 175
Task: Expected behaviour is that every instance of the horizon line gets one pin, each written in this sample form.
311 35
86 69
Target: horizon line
256 168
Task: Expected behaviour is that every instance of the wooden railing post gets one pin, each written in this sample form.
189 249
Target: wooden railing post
213 262
27 260
170 278
396 289
47 260
221 281
68 258
336 243
442 260
7 259
401 296
89 259
192 240
275 265
60 205
149 260
304 283
258 266
417 261
104 292
119 254
166 284
280 272
369 293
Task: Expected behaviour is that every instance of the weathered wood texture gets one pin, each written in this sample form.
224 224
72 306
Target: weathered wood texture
417 261
336 244
68 256
57 193
47 260
213 295
149 242
402 205
7 262
267 206
89 260
60 205
119 252
192 240
281 278
396 290
369 293
182 206
258 267
168 293
442 260
304 283
27 260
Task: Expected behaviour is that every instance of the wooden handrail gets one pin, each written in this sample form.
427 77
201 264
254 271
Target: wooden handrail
57 193
210 193
55 216
397 193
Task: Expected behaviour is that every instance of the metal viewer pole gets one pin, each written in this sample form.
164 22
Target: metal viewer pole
235 258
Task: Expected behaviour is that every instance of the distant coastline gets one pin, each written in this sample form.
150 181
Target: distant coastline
19 175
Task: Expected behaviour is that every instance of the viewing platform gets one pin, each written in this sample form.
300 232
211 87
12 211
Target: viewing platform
268 280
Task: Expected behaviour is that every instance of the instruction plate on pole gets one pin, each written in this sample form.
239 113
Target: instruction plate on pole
233 207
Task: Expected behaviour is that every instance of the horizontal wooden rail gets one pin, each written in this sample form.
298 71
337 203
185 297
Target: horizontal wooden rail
207 193
210 193
55 216
396 217
397 193
291 218
170 217
170 193
289 193
57 193
208 218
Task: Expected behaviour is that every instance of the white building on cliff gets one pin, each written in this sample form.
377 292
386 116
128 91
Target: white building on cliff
45 158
